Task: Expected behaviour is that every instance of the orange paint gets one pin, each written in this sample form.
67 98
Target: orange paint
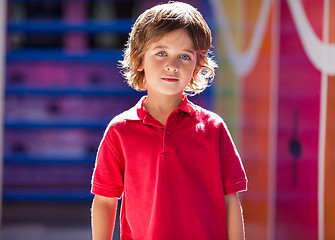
330 163
255 136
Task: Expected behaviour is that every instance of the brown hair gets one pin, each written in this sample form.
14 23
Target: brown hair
152 25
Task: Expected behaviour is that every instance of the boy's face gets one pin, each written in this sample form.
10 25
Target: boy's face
169 64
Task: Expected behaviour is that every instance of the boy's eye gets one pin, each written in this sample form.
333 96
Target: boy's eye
185 57
161 54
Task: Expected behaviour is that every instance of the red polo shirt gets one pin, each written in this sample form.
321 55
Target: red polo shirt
174 177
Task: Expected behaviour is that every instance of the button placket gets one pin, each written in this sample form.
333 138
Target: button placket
167 135
167 144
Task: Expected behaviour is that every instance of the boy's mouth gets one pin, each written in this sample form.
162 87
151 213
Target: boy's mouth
170 79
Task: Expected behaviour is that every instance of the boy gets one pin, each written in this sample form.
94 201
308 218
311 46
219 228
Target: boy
174 162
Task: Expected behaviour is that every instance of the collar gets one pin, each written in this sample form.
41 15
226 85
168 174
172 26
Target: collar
139 112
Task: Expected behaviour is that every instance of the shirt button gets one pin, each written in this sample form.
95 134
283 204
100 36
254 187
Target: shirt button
167 133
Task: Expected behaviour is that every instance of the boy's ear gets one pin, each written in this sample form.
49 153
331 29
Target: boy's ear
196 71
140 68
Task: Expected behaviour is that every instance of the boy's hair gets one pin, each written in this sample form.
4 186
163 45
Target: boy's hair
152 25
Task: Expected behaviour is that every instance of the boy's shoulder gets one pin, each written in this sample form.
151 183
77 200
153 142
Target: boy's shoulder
207 115
121 119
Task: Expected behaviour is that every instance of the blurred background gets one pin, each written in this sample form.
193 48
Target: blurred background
60 86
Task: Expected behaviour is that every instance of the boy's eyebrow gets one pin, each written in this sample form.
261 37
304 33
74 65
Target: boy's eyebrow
166 47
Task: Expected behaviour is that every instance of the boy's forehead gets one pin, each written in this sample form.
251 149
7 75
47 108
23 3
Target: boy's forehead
177 38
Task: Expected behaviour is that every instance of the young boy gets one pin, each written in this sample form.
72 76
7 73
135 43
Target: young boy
173 162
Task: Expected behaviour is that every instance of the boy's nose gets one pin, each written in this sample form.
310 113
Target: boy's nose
172 66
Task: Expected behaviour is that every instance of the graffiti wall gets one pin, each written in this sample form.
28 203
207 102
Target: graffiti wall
276 90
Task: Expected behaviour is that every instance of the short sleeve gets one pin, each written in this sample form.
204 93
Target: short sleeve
233 173
107 179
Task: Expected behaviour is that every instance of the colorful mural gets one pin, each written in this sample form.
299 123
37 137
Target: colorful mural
276 87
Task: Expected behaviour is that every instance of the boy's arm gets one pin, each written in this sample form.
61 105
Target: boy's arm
235 225
103 217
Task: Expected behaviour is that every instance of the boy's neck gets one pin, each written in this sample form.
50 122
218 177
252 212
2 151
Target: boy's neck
161 106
